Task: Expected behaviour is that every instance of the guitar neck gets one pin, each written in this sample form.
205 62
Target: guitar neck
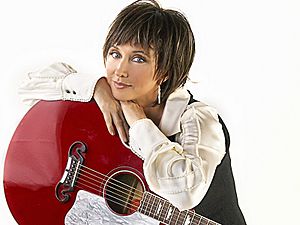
163 211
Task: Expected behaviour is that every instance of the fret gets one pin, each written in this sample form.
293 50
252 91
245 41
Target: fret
204 221
196 219
159 204
147 212
186 219
144 205
155 207
163 211
193 216
150 202
172 214
210 222
181 214
174 217
169 212
201 220
180 217
161 215
141 206
149 205
183 217
159 208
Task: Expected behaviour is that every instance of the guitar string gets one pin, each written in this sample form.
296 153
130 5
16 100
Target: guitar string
201 218
125 204
107 177
97 187
101 183
137 207
118 192
120 203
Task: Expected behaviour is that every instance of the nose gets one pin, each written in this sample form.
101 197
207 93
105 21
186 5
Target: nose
122 68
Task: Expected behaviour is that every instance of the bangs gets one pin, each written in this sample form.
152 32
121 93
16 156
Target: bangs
137 26
133 32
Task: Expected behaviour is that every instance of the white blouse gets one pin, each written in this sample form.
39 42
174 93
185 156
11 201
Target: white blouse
179 171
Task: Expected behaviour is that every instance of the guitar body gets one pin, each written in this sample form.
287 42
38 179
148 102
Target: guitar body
38 154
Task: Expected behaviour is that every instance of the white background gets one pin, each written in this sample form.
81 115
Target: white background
247 65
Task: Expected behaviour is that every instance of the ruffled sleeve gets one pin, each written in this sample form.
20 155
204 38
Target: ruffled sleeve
181 171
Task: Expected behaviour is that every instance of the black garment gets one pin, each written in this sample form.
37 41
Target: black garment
220 203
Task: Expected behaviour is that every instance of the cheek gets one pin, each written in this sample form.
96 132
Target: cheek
108 68
141 74
109 71
110 65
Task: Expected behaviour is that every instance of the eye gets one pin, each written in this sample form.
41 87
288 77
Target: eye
115 54
138 59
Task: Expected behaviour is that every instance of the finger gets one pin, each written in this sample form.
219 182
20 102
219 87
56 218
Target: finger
127 130
125 125
119 124
123 134
109 124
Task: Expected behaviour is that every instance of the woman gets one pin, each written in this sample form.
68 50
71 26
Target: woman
147 54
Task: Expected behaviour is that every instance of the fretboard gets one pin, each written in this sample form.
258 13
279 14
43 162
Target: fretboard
163 211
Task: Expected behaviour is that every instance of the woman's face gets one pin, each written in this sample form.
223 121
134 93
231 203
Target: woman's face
130 73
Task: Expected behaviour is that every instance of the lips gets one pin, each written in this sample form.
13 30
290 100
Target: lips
121 85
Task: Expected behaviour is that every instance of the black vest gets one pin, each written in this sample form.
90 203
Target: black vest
220 203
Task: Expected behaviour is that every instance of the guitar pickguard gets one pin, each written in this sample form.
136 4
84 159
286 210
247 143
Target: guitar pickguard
92 209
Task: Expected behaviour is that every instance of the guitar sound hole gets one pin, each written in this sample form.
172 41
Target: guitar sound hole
123 192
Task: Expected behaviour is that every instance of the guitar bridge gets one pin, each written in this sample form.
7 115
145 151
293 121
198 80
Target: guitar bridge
68 181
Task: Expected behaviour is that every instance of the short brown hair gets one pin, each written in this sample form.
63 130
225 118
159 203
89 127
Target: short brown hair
166 31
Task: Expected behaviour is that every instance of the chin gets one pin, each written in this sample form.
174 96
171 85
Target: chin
121 97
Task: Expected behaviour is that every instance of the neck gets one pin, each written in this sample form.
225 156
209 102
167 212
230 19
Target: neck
148 100
154 113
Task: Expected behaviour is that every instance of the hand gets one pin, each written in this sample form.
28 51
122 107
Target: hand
111 109
132 111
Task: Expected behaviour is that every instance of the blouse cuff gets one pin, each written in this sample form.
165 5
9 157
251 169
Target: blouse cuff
58 81
144 136
79 87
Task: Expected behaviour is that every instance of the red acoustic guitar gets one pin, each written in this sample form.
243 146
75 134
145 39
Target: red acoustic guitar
61 147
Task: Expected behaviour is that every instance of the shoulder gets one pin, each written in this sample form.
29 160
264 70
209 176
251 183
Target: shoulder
200 123
201 111
204 119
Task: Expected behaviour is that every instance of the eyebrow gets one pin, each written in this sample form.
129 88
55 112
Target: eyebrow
135 51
